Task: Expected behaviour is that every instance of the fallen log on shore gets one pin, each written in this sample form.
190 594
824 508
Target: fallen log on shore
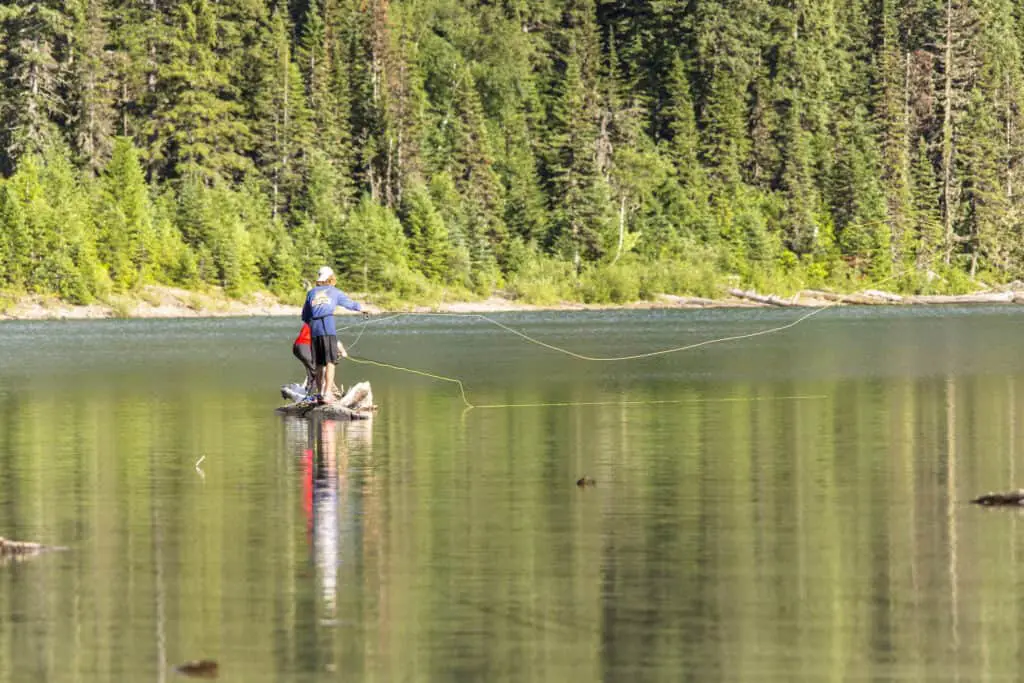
356 404
873 297
979 298
888 297
770 299
677 300
861 298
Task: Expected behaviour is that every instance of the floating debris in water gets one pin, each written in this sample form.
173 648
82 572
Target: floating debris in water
11 551
1011 498
585 481
200 668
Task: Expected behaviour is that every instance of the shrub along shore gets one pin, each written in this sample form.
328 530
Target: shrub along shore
168 302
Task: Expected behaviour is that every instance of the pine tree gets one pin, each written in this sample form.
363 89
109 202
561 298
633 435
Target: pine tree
371 250
796 181
428 235
127 239
137 35
67 262
15 245
858 200
580 198
91 91
473 169
196 127
284 127
26 214
282 272
990 144
893 123
727 45
926 212
959 67
34 37
228 241
323 208
323 63
525 212
684 142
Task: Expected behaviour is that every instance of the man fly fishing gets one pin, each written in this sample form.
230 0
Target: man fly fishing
318 313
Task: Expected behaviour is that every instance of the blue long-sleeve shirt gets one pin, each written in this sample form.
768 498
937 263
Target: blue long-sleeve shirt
318 310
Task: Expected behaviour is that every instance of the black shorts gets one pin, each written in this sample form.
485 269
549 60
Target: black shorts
325 349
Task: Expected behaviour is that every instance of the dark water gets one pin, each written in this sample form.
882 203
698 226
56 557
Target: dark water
789 507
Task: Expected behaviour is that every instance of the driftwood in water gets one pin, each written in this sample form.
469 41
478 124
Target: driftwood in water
1010 498
356 404
11 551
761 298
200 668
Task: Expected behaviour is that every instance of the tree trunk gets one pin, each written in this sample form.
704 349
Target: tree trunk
947 134
622 228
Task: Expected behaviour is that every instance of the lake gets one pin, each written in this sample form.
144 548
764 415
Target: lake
787 507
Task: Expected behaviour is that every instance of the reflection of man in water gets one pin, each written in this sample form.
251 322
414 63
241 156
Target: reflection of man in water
325 517
333 508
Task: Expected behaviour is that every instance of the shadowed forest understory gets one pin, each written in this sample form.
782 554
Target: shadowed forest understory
594 150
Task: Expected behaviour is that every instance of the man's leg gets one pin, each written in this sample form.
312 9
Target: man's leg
321 382
328 389
304 352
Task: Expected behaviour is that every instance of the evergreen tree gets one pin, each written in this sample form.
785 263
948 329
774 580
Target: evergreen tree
893 124
15 245
371 251
196 127
580 198
428 235
473 167
684 140
858 201
926 212
727 43
283 122
525 213
126 241
67 264
91 89
322 58
34 37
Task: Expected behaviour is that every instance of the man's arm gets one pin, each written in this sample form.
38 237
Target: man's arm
307 311
341 300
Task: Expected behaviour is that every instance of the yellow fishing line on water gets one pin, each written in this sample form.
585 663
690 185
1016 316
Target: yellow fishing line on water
560 404
580 356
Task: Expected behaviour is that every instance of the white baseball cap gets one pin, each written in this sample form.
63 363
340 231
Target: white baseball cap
325 274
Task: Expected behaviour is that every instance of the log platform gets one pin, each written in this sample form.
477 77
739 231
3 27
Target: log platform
356 404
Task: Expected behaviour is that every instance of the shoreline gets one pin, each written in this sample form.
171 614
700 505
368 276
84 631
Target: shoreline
155 302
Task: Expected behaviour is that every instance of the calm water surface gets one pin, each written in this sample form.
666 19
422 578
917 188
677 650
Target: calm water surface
789 507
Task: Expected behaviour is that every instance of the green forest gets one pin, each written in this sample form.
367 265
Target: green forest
595 150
